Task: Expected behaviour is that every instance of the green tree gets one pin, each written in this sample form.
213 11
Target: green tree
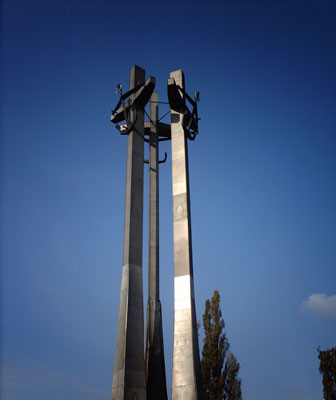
233 382
219 366
328 371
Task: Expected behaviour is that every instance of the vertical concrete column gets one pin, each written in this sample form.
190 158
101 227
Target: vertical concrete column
186 383
129 364
155 367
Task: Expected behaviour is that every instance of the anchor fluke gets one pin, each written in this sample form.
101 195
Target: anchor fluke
164 160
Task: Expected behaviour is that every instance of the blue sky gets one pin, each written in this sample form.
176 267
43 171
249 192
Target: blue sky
262 176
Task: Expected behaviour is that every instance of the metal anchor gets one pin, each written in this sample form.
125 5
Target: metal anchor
124 109
176 97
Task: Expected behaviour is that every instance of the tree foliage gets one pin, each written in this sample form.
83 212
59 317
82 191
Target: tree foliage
219 366
328 370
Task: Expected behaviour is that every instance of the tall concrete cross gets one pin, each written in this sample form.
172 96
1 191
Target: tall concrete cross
129 380
155 366
186 383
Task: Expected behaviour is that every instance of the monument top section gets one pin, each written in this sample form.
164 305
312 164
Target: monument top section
138 96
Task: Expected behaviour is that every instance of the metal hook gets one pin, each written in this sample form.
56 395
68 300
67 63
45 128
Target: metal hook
164 160
159 162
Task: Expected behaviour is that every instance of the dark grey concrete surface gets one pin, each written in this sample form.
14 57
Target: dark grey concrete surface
155 366
129 381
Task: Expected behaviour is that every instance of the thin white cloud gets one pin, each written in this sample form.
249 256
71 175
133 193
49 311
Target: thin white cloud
319 303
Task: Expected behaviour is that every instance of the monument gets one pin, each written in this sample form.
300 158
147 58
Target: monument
186 362
137 374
